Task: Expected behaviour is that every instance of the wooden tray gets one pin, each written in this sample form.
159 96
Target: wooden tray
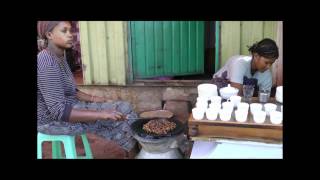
209 130
232 122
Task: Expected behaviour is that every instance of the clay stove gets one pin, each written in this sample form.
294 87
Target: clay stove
158 146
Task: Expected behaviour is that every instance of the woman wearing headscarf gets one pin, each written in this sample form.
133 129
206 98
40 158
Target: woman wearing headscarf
253 70
63 109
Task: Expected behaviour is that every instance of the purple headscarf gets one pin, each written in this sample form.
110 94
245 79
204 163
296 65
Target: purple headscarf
46 26
43 27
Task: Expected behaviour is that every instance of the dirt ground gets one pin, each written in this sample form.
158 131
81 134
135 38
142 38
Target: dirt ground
101 149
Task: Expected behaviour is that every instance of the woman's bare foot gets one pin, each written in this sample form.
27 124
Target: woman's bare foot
133 152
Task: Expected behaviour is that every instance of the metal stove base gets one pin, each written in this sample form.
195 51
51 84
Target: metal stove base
171 154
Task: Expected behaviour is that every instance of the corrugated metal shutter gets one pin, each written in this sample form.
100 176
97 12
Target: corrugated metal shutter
104 52
237 35
230 40
277 67
167 48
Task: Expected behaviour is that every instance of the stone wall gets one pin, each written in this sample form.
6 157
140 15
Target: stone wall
144 98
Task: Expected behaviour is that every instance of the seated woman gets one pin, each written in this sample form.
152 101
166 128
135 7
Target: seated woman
254 69
61 107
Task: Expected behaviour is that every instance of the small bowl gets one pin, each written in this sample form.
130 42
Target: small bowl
228 91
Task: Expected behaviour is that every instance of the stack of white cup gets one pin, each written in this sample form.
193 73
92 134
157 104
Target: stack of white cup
207 90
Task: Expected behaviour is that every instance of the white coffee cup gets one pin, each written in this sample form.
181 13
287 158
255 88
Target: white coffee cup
241 115
202 99
198 113
227 105
268 107
255 107
276 117
215 99
202 105
259 116
279 94
243 106
225 114
235 100
215 105
212 114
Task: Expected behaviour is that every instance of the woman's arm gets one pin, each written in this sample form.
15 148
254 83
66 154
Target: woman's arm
238 86
77 115
50 85
89 98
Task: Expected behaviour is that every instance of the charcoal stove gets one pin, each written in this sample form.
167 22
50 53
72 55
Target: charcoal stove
158 146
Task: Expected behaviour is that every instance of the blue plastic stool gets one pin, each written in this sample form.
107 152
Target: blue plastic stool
69 146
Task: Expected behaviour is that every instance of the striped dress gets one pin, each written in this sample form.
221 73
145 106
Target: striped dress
56 97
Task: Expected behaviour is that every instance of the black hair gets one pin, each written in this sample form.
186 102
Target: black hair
266 48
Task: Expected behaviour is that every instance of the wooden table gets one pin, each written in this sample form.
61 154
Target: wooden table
249 130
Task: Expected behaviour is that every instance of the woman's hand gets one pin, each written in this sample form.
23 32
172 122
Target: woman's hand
112 114
238 86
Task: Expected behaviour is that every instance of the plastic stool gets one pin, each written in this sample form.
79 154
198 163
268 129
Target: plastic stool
69 146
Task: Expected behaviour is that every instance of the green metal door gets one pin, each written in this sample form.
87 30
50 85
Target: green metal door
167 48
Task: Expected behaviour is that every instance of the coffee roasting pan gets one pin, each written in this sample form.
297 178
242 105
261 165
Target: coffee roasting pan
137 128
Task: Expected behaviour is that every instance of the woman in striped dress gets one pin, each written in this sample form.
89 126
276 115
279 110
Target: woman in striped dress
61 107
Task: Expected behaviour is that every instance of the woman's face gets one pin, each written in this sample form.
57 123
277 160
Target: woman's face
262 63
61 35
